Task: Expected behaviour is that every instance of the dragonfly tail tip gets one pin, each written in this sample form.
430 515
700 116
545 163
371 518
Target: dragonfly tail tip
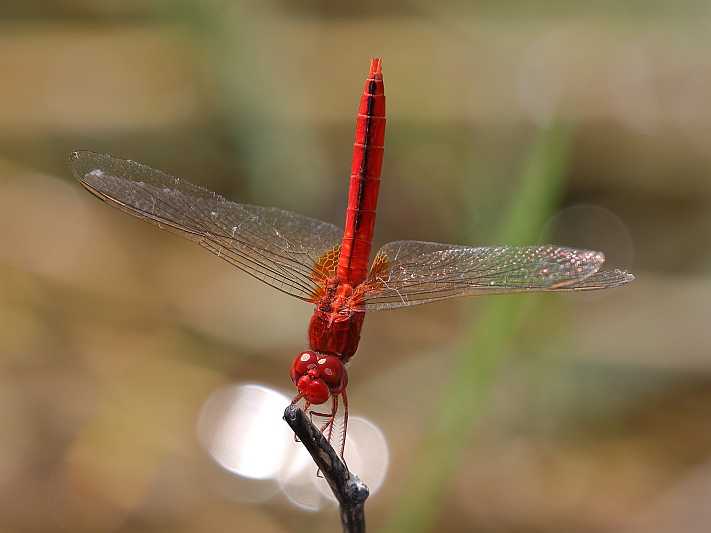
376 65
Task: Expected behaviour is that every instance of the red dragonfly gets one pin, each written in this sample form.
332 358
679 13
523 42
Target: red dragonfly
319 263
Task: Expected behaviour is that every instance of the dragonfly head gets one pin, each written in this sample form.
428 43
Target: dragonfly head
318 376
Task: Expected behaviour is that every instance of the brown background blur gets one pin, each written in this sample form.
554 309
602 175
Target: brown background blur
112 335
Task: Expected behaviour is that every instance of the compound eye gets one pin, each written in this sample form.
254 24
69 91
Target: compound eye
302 363
331 370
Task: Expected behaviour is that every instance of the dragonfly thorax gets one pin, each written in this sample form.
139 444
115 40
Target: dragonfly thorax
335 325
339 300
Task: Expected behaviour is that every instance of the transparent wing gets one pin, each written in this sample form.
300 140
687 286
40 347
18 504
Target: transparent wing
408 273
283 249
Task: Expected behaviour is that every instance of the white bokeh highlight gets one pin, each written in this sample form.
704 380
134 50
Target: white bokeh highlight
242 429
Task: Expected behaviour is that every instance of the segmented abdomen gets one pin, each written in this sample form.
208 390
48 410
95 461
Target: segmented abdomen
364 181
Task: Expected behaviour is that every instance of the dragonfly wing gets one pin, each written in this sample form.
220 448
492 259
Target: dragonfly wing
283 249
408 273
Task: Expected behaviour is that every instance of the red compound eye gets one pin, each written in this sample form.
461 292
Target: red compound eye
332 371
302 363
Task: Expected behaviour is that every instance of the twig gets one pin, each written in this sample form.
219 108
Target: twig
348 489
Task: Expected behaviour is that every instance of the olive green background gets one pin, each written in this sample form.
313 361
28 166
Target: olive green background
587 124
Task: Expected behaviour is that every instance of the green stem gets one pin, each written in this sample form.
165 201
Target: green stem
475 366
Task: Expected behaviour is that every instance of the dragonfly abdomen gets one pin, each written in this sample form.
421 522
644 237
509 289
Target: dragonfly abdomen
364 180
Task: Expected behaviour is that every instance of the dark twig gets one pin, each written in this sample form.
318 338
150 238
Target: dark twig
350 491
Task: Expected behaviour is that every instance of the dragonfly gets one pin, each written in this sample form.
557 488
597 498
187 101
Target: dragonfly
321 264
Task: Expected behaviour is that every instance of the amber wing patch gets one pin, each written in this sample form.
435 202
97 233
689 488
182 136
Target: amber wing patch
325 268
378 272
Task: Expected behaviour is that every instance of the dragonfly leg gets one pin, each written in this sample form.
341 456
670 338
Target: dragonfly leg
317 413
345 426
330 416
334 407
329 423
297 398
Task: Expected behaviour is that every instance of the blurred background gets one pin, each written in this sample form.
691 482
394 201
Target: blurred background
128 356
